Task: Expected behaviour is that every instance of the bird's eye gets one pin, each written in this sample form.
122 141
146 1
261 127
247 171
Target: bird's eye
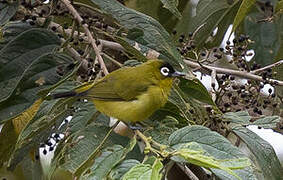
164 71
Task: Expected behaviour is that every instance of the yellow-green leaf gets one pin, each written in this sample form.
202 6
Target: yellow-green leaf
241 14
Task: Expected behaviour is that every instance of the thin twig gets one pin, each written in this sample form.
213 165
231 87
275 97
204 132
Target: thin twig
91 40
267 67
188 172
242 74
112 59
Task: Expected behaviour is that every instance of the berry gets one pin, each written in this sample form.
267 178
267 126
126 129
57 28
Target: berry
32 23
53 28
44 151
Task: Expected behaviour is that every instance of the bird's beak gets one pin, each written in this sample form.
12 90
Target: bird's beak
178 74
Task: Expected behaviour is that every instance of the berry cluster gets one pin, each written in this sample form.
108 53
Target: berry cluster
233 94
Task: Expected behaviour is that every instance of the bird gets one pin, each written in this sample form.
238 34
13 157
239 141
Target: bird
129 94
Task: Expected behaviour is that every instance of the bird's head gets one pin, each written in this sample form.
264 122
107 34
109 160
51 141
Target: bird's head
163 70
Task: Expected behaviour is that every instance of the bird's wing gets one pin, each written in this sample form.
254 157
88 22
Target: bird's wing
119 86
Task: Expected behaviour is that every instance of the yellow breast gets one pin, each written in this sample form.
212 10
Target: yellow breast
135 110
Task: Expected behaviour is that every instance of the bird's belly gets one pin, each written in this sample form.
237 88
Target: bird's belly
135 110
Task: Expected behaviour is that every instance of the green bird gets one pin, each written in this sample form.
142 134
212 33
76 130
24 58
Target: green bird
130 94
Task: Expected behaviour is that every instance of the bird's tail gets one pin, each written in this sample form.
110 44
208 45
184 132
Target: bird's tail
62 95
77 92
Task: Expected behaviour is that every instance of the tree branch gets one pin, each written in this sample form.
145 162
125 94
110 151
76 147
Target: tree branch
91 40
242 74
188 172
267 67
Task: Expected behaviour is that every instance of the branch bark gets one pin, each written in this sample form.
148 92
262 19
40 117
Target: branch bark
268 67
91 40
242 74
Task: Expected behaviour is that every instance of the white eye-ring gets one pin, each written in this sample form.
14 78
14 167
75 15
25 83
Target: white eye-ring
164 71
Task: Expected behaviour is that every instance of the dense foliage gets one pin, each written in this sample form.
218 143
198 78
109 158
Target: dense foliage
48 47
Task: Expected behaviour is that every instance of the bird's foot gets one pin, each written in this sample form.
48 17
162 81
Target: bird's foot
135 127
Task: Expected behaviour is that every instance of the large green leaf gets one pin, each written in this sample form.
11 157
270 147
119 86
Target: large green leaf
210 13
162 15
108 159
40 74
38 129
182 26
78 151
118 172
242 12
172 5
25 67
8 139
214 144
161 129
80 147
243 118
195 89
155 36
146 171
266 36
11 30
263 151
193 153
7 10
192 111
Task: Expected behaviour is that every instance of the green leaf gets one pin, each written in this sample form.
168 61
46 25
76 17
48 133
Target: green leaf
182 26
40 74
195 89
191 110
85 112
23 59
214 144
108 159
77 153
209 15
11 30
279 7
243 118
267 44
242 12
130 19
7 10
81 146
193 153
267 122
131 49
122 168
8 139
172 5
263 151
39 128
161 129
145 171
156 169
